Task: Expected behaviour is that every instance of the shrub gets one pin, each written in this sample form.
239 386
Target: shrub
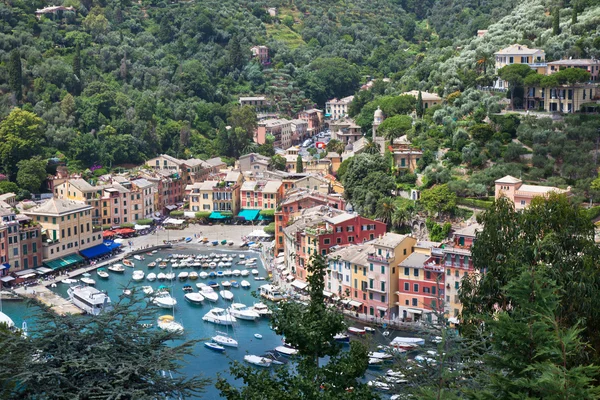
176 214
202 214
127 225
146 221
270 229
476 203
267 213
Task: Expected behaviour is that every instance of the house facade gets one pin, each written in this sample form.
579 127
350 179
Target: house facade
20 241
216 195
521 194
279 129
314 121
427 99
338 108
564 98
345 130
519 54
260 195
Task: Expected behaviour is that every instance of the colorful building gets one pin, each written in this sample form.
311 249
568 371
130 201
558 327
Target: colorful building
336 109
20 241
314 120
261 195
216 195
521 194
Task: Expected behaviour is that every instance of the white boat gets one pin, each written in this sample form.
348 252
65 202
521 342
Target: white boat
102 274
214 346
128 263
258 335
89 299
168 323
219 316
262 309
226 295
193 275
258 361
236 272
69 281
241 311
138 257
209 293
164 300
227 273
138 275
377 385
245 284
147 290
241 256
245 272
194 297
400 341
356 331
370 329
224 340
203 275
226 284
380 355
151 277
161 276
88 281
271 293
170 276
183 276
286 351
254 272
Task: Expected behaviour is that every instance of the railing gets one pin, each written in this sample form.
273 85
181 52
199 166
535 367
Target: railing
382 259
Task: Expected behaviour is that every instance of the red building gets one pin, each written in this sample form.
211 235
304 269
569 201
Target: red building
296 201
314 118
20 242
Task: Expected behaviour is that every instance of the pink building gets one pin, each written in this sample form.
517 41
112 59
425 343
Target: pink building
314 119
590 65
261 53
260 195
521 194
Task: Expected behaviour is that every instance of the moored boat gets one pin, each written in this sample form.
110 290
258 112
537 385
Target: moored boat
241 311
262 309
203 275
168 323
139 257
219 316
195 298
287 351
245 284
89 299
226 295
102 273
258 361
214 346
88 281
118 268
356 331
128 263
152 265
164 300
225 340
193 275
151 277
209 293
183 276
138 276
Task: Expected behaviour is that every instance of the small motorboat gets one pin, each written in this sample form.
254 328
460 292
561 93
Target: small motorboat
236 272
168 323
259 278
118 268
215 242
128 263
286 351
226 295
183 276
88 281
245 272
342 338
220 274
262 309
258 361
219 316
213 284
226 284
214 346
209 293
356 331
161 276
369 329
254 272
258 335
241 311
148 291
193 275
102 273
188 288
162 265
138 276
139 257
69 281
224 340
224 242
203 275
378 385
245 284
227 273
235 284
230 243
152 265
170 276
241 256
164 300
193 297
188 239
151 277
126 292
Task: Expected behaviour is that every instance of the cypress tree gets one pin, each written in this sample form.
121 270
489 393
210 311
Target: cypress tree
236 56
573 17
15 74
419 105
77 69
556 22
299 166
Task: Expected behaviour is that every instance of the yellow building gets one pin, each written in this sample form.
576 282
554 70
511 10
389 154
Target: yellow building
565 98
427 99
519 54
66 227
221 195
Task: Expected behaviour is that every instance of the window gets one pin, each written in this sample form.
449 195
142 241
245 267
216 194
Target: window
24 249
433 290
456 273
371 267
415 302
15 251
34 247
351 239
404 251
448 272
426 290
383 269
325 241
522 202
383 298
407 271
416 272
406 286
456 285
427 275
416 288
383 286
370 296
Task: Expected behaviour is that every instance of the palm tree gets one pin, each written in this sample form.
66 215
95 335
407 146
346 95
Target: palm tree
336 146
483 61
385 209
371 147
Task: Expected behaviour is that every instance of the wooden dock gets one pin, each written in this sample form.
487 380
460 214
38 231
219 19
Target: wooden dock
44 295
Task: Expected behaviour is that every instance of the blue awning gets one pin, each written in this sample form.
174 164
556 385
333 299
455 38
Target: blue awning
100 250
216 215
248 215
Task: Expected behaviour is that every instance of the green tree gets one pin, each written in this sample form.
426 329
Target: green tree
32 173
326 78
245 118
299 165
21 135
394 127
514 75
556 21
311 330
8 187
278 163
288 21
419 108
439 199
236 55
336 146
386 207
77 70
15 74
116 356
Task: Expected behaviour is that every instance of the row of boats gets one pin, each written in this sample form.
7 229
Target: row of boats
212 260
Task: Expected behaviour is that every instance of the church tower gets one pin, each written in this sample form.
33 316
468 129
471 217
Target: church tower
377 120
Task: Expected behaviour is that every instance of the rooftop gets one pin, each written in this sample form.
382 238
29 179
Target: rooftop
541 189
415 260
580 62
518 49
508 179
355 254
344 100
250 98
142 183
214 162
426 96
470 230
82 185
55 206
390 240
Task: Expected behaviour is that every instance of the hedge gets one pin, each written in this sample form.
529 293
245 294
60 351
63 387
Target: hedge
202 214
593 212
127 225
146 221
270 229
267 213
176 213
477 203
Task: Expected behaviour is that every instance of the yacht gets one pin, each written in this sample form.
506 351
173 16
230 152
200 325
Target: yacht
209 293
270 292
262 309
224 340
194 297
164 300
241 311
219 316
89 299
226 295
258 361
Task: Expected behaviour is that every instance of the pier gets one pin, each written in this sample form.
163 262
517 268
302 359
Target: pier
44 295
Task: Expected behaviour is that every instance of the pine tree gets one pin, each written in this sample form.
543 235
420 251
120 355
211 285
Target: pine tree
299 166
77 69
236 56
556 21
419 106
15 74
573 17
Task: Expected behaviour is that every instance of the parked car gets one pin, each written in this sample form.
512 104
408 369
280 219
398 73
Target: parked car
306 143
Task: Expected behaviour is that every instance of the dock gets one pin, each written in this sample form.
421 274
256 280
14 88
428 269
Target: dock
44 295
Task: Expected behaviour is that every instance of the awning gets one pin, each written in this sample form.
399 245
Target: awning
171 207
7 279
125 231
327 294
259 233
173 221
108 233
280 259
28 276
345 301
4 266
248 215
21 274
63 261
281 267
43 270
100 250
355 303
299 284
414 311
382 308
217 215
141 227
290 277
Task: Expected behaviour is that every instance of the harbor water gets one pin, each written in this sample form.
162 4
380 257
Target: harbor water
204 362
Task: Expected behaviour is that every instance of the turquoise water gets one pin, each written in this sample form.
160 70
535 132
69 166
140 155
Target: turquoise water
204 362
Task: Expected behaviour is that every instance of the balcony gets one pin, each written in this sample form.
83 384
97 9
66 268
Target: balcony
380 259
318 231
